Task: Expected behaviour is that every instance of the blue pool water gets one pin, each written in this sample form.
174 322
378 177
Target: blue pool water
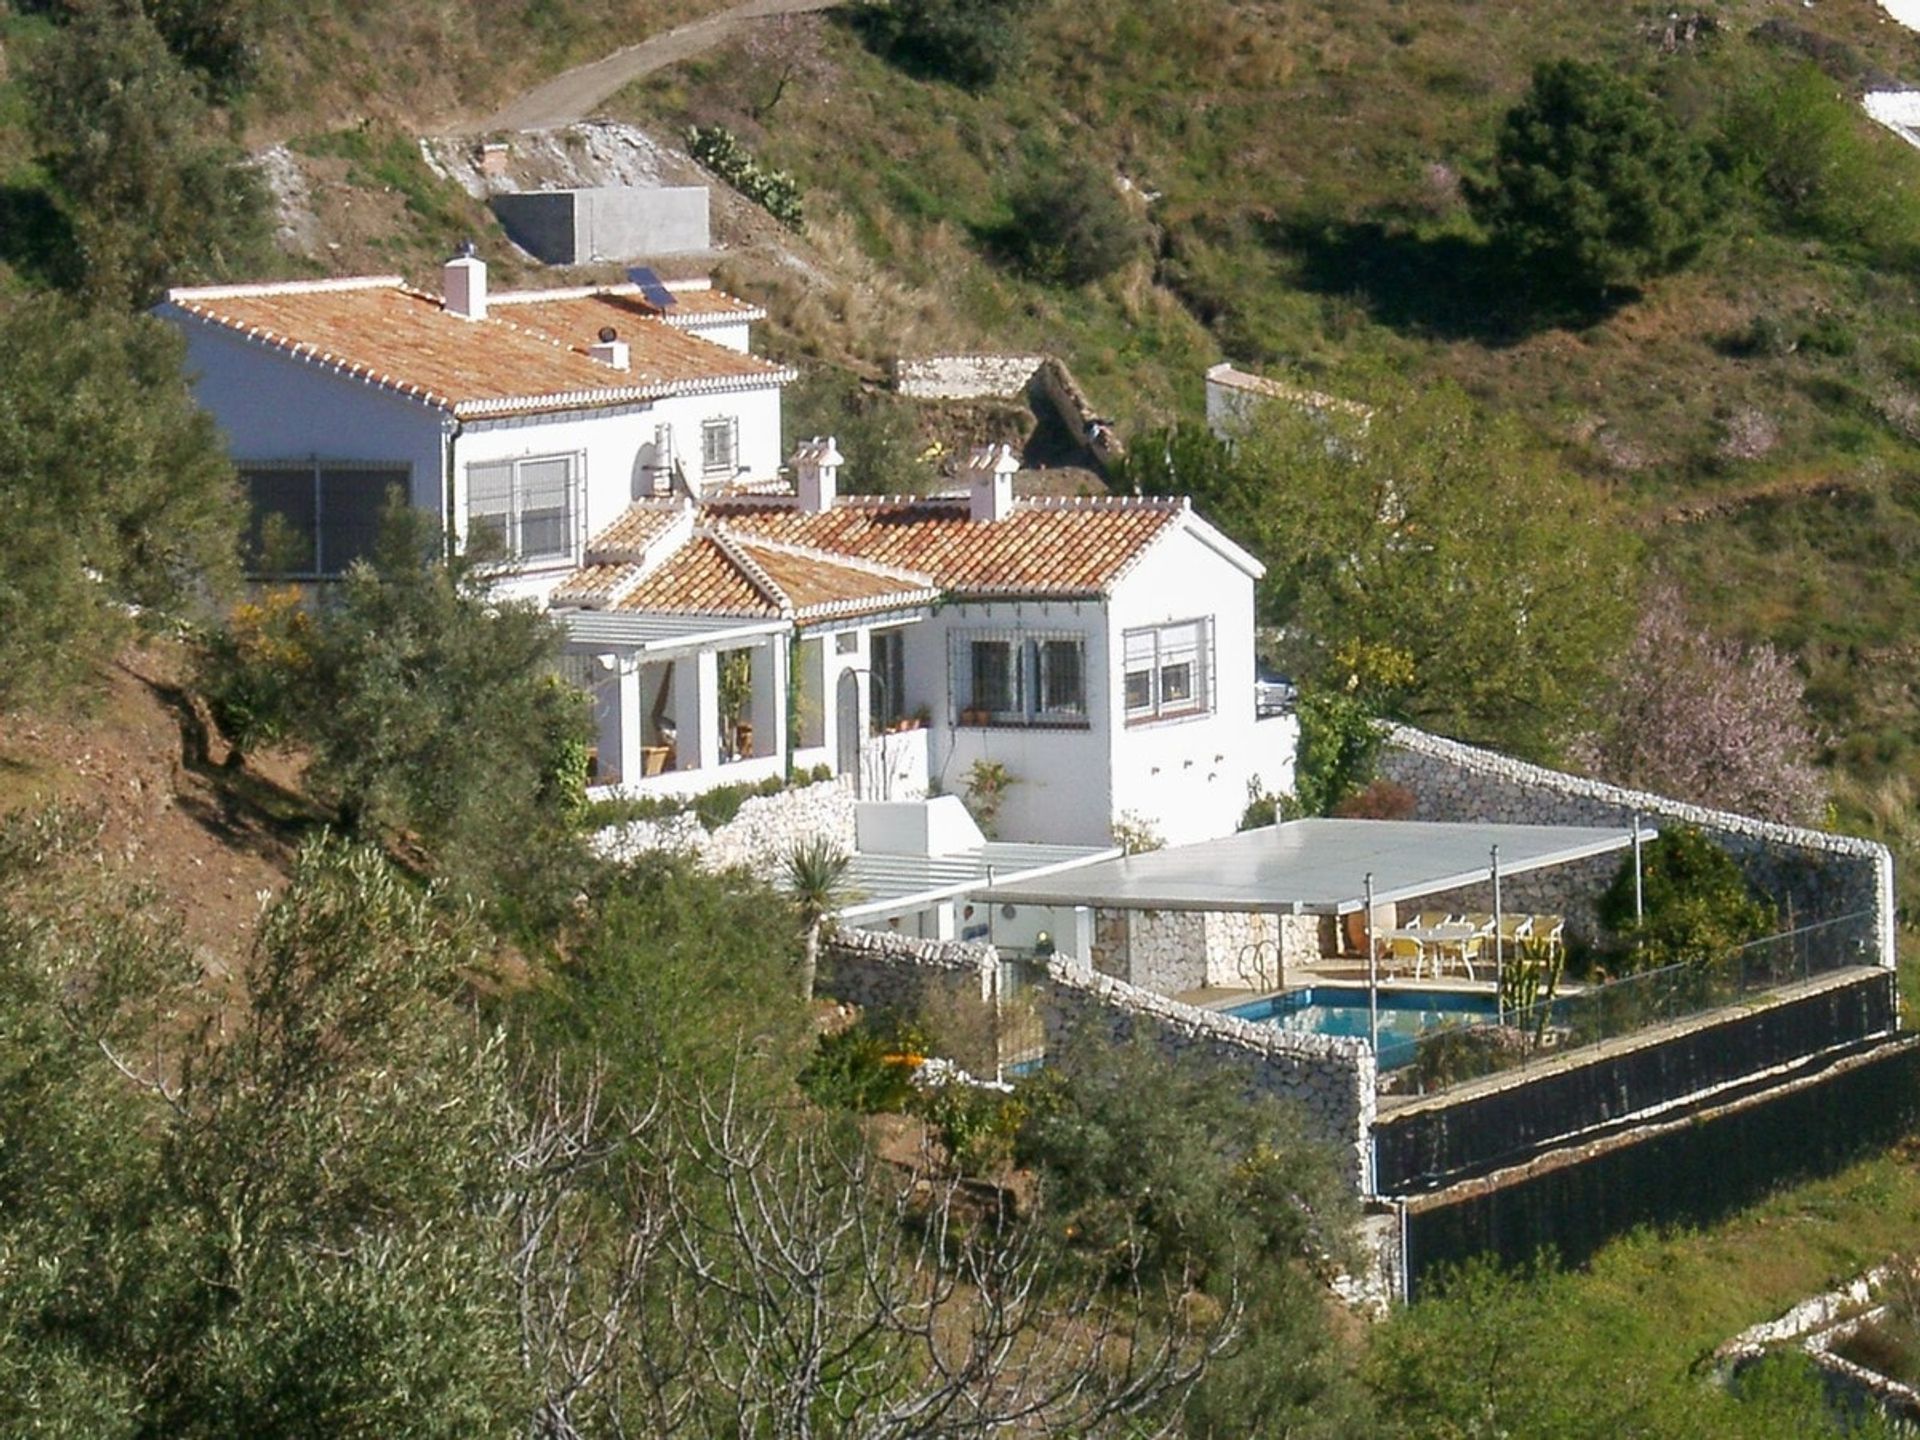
1342 1010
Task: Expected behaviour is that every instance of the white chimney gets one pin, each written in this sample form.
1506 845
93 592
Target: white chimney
610 349
816 470
464 279
990 482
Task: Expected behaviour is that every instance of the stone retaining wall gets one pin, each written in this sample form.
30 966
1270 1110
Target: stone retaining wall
759 838
1170 951
965 377
1331 1078
1811 875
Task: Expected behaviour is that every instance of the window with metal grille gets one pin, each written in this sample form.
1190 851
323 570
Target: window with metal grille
720 445
313 518
1169 671
525 510
1011 678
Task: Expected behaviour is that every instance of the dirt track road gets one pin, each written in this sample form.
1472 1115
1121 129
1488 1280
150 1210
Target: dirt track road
572 96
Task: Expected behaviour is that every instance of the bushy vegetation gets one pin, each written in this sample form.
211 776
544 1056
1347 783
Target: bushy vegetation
149 188
118 509
968 42
431 713
1593 185
1697 907
1070 225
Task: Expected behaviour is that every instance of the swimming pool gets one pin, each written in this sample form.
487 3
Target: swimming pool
1342 1010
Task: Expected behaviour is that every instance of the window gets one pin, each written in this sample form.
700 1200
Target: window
720 445
1168 671
887 699
1013 679
523 510
316 517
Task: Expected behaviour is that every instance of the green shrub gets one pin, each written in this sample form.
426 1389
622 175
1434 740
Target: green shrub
969 42
867 1067
1697 907
1817 166
1594 186
775 191
976 1124
1071 226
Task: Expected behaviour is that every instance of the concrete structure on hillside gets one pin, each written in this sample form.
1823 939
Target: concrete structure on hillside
606 223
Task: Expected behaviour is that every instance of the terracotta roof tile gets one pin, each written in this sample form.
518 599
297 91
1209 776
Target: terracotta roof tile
641 524
819 585
716 572
1045 547
700 578
404 339
594 584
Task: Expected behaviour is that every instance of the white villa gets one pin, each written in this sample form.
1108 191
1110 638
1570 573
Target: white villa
1094 658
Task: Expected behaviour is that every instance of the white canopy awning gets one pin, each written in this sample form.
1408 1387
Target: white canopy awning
658 636
888 884
1318 866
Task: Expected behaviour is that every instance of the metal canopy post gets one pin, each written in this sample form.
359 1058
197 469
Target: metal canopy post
1499 948
1373 976
1639 892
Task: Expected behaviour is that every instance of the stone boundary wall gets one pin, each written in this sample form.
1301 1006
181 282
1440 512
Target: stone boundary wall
1820 876
965 377
1331 1078
759 838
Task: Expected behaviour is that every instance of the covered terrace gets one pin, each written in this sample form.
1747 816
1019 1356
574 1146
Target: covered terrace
1315 900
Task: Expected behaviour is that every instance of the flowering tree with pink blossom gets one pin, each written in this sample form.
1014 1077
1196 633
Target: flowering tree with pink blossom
1703 718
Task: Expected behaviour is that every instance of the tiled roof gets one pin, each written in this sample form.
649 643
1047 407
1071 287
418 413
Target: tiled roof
595 585
700 578
715 572
1046 546
641 524
818 585
403 339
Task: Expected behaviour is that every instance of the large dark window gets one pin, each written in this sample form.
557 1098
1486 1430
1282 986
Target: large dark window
887 699
316 518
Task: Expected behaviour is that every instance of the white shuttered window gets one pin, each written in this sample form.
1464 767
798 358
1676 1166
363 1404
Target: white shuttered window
527 510
1169 671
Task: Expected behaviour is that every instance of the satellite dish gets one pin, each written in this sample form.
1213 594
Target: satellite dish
652 289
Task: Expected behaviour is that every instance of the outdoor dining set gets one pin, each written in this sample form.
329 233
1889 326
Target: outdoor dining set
1436 939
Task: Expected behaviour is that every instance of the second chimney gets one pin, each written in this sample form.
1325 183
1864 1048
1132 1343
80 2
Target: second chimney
610 349
816 471
990 483
464 279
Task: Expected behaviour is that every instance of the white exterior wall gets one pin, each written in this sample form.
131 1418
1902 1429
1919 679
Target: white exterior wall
618 450
274 407
1187 778
731 333
1060 792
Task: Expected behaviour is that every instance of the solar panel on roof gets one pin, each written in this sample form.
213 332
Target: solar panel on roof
652 289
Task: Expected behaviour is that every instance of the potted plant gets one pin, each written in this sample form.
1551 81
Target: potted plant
736 692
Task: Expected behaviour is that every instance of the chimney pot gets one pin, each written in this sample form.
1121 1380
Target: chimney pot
609 351
464 279
990 471
816 470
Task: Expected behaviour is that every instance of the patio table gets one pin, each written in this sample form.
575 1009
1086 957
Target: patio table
1437 938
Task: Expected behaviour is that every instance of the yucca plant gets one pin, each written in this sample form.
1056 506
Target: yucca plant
817 878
